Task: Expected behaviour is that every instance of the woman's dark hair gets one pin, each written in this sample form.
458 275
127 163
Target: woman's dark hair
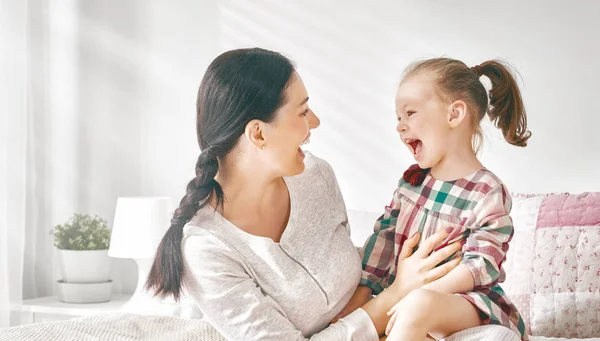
239 86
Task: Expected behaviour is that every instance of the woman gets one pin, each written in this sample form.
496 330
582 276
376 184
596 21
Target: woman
261 239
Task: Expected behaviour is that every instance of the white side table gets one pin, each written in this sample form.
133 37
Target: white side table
50 309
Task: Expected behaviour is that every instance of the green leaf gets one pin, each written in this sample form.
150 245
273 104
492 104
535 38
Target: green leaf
82 232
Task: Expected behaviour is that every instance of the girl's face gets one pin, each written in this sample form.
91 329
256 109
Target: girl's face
422 119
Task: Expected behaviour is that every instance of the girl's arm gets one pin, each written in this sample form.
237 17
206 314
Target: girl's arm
485 248
458 280
378 252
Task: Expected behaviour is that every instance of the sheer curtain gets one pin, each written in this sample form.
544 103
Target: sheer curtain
73 77
26 249
14 128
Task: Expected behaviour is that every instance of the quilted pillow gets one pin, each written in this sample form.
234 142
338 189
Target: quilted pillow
553 264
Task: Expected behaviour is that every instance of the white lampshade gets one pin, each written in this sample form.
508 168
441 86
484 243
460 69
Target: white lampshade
139 225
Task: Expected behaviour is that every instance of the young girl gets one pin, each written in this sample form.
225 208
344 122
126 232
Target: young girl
440 104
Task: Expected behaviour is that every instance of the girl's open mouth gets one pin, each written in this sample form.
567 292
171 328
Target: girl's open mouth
416 145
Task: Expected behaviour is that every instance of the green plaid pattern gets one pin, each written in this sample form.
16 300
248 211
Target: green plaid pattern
477 207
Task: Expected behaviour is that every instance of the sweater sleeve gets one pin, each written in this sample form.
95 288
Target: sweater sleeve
218 280
378 251
485 248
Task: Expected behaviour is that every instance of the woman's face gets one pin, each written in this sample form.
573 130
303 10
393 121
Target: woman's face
290 130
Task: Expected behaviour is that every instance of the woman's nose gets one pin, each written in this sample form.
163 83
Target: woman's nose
313 120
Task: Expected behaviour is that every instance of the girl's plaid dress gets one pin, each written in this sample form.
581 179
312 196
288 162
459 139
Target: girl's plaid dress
478 208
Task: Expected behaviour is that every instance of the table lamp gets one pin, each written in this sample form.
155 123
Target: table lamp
139 225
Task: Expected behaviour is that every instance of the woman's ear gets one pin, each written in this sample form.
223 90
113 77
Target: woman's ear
457 112
254 133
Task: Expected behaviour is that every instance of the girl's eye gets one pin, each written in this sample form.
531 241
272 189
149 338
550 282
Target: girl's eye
410 113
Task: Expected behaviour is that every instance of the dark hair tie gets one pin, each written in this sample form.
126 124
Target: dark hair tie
478 69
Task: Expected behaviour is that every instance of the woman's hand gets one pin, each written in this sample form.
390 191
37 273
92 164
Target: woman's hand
361 296
416 270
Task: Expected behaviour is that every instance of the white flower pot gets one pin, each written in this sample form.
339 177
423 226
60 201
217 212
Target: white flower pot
84 266
84 292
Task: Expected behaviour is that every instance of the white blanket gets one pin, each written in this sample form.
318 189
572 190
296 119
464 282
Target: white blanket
115 327
130 327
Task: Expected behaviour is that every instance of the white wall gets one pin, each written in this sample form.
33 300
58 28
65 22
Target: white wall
181 40
351 55
136 67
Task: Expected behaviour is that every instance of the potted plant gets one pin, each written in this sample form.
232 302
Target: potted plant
82 244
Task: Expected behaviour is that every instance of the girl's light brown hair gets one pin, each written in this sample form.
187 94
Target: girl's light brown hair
457 81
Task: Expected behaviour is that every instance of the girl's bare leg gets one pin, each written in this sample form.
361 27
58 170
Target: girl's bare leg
425 312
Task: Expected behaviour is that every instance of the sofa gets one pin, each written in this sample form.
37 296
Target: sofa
553 262
553 265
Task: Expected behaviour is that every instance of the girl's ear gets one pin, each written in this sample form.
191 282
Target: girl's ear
457 112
